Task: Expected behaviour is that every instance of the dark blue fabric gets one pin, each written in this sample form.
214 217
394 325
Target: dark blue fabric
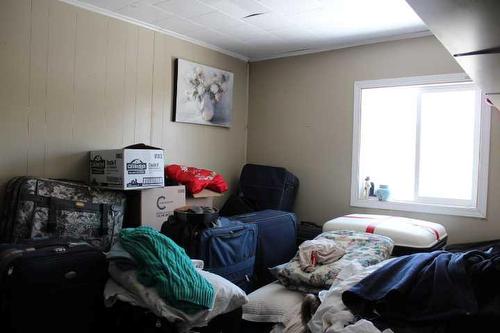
429 287
229 250
277 240
268 187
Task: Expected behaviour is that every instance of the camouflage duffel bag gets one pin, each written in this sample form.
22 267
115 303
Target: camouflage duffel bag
37 208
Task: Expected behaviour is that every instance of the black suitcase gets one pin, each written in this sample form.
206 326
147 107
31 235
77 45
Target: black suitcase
479 246
277 241
51 286
124 317
263 187
307 231
235 205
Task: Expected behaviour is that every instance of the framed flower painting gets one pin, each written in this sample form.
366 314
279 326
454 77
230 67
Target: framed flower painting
203 94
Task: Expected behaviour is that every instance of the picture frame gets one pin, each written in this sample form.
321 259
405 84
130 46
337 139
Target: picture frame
202 94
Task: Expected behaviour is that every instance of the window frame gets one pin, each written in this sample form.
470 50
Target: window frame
424 205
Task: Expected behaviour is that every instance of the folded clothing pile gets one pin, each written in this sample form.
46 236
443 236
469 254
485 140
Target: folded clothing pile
149 270
165 266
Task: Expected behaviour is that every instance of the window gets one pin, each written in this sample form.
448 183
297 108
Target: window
427 138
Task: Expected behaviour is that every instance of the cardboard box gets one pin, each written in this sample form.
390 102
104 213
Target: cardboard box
204 198
128 168
153 206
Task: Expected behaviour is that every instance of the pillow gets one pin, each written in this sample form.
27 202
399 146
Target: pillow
361 248
228 296
196 179
124 286
271 303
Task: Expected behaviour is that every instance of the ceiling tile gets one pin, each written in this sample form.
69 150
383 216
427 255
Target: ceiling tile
109 4
292 7
246 31
179 25
218 39
238 8
184 8
218 21
270 21
282 26
293 32
144 12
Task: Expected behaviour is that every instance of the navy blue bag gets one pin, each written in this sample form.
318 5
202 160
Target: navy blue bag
229 250
277 240
262 187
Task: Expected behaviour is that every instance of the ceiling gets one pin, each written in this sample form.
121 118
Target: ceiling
263 29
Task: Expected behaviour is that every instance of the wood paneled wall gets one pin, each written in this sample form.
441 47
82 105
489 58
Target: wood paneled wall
72 80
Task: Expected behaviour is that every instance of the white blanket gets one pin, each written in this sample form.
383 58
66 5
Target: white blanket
332 315
318 251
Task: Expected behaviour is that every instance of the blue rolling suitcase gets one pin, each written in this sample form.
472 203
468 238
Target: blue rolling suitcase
228 250
277 240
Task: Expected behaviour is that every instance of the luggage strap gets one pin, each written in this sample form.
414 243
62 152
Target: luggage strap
370 228
56 204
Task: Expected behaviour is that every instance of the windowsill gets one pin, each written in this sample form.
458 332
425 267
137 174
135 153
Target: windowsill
419 207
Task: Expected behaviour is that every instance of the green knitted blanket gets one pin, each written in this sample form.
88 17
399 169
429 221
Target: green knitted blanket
166 266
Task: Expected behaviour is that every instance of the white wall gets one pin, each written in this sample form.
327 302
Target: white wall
301 117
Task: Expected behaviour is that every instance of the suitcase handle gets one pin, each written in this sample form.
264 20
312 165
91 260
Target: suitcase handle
56 204
49 242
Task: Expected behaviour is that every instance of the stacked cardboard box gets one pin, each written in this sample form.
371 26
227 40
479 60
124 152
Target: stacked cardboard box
129 168
141 167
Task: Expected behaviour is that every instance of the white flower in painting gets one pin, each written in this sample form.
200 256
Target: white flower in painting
202 84
214 88
200 89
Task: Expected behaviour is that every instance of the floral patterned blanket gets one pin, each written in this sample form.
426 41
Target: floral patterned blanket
360 248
